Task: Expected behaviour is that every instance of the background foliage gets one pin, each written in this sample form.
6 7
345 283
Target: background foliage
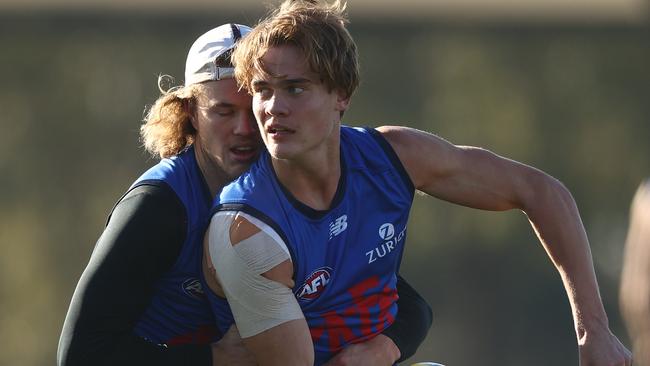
571 100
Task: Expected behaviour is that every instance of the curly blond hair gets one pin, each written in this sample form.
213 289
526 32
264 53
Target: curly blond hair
317 29
167 129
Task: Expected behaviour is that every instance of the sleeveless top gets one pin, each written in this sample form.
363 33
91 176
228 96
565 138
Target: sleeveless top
345 258
179 312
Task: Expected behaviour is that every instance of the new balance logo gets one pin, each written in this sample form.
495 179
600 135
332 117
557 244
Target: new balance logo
338 226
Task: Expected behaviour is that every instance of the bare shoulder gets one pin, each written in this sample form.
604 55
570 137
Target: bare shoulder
423 154
404 132
398 135
242 229
407 140
276 263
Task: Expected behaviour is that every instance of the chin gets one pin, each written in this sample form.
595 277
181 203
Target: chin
281 154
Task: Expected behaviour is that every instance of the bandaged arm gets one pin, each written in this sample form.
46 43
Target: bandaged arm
252 267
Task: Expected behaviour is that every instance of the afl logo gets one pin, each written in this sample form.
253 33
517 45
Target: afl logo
193 288
387 231
314 284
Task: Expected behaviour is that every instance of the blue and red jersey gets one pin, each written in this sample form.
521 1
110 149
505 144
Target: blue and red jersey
179 312
346 258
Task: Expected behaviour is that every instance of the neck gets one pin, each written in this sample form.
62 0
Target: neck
312 181
215 178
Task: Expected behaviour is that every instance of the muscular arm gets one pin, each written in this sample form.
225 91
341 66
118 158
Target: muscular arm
252 268
477 178
140 243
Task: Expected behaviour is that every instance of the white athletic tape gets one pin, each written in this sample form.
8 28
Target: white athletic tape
257 303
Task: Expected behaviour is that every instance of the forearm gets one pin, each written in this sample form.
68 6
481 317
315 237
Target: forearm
554 216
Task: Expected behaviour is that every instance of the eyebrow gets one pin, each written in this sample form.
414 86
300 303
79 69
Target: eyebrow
218 104
282 82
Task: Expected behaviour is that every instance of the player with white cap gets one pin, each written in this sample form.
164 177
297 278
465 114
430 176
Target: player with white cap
141 299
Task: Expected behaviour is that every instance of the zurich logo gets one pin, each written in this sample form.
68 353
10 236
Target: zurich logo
387 231
314 284
193 288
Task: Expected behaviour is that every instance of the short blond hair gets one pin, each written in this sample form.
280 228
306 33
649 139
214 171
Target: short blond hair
167 129
318 30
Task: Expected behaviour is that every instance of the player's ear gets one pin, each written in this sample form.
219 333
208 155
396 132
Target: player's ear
189 106
342 101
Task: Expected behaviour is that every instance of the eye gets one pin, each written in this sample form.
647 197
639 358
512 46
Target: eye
263 92
295 90
224 112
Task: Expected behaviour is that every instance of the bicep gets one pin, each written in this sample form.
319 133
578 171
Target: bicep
253 267
465 175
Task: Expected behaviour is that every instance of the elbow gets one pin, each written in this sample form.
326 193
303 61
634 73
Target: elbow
542 190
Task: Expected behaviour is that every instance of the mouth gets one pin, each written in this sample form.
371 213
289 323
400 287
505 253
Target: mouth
244 153
277 130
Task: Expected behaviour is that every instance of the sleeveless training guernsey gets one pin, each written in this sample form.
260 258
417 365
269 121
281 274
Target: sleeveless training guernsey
346 258
179 312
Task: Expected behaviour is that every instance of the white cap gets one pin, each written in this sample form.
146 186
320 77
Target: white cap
200 65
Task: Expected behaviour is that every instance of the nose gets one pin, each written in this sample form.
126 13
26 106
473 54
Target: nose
246 124
276 106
